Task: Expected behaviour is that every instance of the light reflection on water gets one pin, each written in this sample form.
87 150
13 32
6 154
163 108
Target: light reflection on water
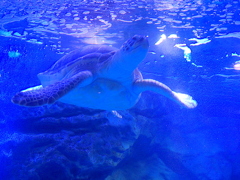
107 22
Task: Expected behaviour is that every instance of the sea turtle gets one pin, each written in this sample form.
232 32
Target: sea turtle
99 77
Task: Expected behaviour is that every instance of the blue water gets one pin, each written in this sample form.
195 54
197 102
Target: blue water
199 54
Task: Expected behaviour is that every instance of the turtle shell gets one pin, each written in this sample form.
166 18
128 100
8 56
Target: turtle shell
88 58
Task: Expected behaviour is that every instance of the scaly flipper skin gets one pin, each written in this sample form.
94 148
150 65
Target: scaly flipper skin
53 92
155 86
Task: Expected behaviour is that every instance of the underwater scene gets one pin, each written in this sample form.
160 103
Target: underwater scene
119 90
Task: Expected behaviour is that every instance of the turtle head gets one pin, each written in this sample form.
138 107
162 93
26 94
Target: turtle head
134 50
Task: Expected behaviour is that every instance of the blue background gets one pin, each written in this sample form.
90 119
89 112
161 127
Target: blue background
155 139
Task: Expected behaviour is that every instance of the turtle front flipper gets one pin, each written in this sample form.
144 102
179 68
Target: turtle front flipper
152 85
51 93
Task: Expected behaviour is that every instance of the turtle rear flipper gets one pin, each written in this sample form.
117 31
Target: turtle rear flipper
50 94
